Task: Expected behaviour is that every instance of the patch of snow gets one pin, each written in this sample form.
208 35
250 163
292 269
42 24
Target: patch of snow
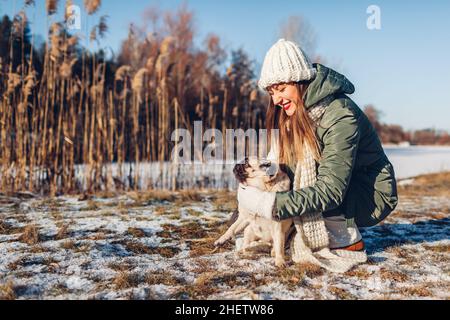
77 283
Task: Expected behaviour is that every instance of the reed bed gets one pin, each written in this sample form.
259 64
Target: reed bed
65 106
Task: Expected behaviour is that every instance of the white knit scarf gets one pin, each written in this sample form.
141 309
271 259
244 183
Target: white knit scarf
311 243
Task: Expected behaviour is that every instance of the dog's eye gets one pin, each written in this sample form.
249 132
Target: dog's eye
265 165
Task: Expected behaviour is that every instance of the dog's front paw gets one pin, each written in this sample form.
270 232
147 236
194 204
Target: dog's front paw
280 263
219 242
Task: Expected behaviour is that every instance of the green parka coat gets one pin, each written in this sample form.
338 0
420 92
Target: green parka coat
355 178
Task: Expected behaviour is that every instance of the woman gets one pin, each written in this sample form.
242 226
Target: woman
328 144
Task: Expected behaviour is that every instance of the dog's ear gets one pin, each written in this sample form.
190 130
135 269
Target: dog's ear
240 173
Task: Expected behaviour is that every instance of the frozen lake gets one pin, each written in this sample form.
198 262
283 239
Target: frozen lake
416 160
408 162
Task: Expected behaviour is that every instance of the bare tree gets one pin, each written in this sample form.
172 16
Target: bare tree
374 116
299 30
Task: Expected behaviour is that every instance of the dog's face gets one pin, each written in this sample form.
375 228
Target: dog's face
258 173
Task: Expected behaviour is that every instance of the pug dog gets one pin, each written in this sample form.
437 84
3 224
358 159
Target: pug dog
266 176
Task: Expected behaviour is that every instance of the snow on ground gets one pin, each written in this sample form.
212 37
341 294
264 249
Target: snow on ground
159 246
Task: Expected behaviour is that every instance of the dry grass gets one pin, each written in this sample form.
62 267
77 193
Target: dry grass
140 248
62 232
6 228
194 213
224 201
7 291
153 196
194 291
189 196
125 280
230 279
203 265
160 210
82 247
207 284
205 245
24 274
414 216
190 230
166 252
68 245
174 215
143 198
171 212
437 184
419 290
396 250
199 237
98 236
392 275
163 277
341 294
102 194
137 247
52 204
407 254
56 215
294 276
136 232
114 213
90 206
38 248
122 266
442 248
14 265
359 273
52 264
30 235
59 289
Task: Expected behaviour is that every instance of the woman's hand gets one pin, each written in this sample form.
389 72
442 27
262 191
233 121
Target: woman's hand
257 202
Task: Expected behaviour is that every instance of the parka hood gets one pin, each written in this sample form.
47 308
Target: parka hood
327 82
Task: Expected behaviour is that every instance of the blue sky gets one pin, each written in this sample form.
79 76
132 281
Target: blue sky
403 69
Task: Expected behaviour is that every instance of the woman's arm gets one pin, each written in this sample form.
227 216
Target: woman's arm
335 169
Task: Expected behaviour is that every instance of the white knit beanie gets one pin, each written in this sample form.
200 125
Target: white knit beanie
285 62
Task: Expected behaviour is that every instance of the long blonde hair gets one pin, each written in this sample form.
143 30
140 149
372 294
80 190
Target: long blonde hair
295 131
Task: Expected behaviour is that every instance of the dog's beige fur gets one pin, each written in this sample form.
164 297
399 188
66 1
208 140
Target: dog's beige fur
257 228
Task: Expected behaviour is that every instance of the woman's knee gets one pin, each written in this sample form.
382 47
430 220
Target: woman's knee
371 219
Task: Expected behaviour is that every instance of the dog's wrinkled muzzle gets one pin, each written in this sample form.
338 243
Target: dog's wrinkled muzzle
272 169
